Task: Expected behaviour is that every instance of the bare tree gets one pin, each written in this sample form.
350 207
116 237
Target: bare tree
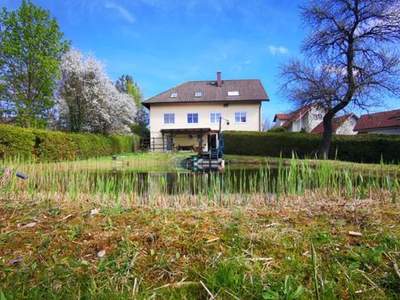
351 60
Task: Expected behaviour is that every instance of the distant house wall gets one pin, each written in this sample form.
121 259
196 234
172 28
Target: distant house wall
308 121
313 118
278 123
394 131
347 127
296 126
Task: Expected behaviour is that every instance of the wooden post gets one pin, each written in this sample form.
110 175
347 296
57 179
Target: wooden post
200 139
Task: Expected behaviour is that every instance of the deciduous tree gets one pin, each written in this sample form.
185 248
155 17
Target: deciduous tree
31 46
352 59
88 100
125 84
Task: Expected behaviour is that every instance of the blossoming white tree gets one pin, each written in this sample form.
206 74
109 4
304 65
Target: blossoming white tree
88 100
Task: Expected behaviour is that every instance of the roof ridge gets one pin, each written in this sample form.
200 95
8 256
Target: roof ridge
381 112
214 80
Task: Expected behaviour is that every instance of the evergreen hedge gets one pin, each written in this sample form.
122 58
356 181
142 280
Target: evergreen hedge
45 145
359 148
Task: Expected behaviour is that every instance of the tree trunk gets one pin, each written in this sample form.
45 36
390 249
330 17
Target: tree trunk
327 135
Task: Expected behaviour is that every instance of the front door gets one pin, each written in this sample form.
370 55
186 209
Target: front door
169 143
212 141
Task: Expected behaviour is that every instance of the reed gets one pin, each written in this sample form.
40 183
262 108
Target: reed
144 178
141 227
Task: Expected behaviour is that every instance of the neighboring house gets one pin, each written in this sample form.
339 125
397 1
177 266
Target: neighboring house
190 115
305 119
280 119
343 125
387 122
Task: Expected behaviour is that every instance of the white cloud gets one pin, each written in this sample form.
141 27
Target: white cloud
278 50
122 11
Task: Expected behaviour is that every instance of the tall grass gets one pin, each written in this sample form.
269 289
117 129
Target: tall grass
151 181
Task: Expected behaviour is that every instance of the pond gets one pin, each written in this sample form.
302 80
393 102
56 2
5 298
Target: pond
293 179
142 177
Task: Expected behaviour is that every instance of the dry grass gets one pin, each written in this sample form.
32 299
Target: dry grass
49 248
60 239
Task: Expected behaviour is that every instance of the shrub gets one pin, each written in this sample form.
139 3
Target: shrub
278 129
16 142
53 145
359 148
44 145
367 148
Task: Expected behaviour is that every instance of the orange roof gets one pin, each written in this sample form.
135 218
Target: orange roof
282 117
336 123
379 120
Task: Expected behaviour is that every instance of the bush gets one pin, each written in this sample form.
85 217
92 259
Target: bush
44 145
278 129
16 142
367 148
359 148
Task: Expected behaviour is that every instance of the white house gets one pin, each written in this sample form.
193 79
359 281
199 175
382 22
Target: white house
309 119
343 125
387 122
305 119
190 115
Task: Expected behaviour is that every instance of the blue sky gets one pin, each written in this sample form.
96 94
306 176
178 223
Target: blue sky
162 43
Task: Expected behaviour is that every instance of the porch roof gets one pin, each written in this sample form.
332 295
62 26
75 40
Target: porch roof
186 130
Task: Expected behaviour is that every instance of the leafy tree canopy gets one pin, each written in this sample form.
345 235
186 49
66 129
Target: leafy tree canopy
31 47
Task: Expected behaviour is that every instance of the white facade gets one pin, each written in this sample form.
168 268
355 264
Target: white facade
390 131
308 121
347 127
240 116
278 123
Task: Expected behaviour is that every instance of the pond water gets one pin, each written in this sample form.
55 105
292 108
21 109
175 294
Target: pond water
241 180
133 177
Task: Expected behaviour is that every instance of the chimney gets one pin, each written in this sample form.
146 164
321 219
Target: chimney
219 80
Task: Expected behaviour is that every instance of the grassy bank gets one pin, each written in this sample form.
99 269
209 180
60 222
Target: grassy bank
292 249
135 228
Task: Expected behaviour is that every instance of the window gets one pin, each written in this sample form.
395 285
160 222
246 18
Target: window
193 118
233 93
240 117
198 94
214 117
169 118
174 95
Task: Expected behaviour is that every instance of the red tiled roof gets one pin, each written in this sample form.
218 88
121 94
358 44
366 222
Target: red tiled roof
379 120
249 90
336 123
282 117
297 114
